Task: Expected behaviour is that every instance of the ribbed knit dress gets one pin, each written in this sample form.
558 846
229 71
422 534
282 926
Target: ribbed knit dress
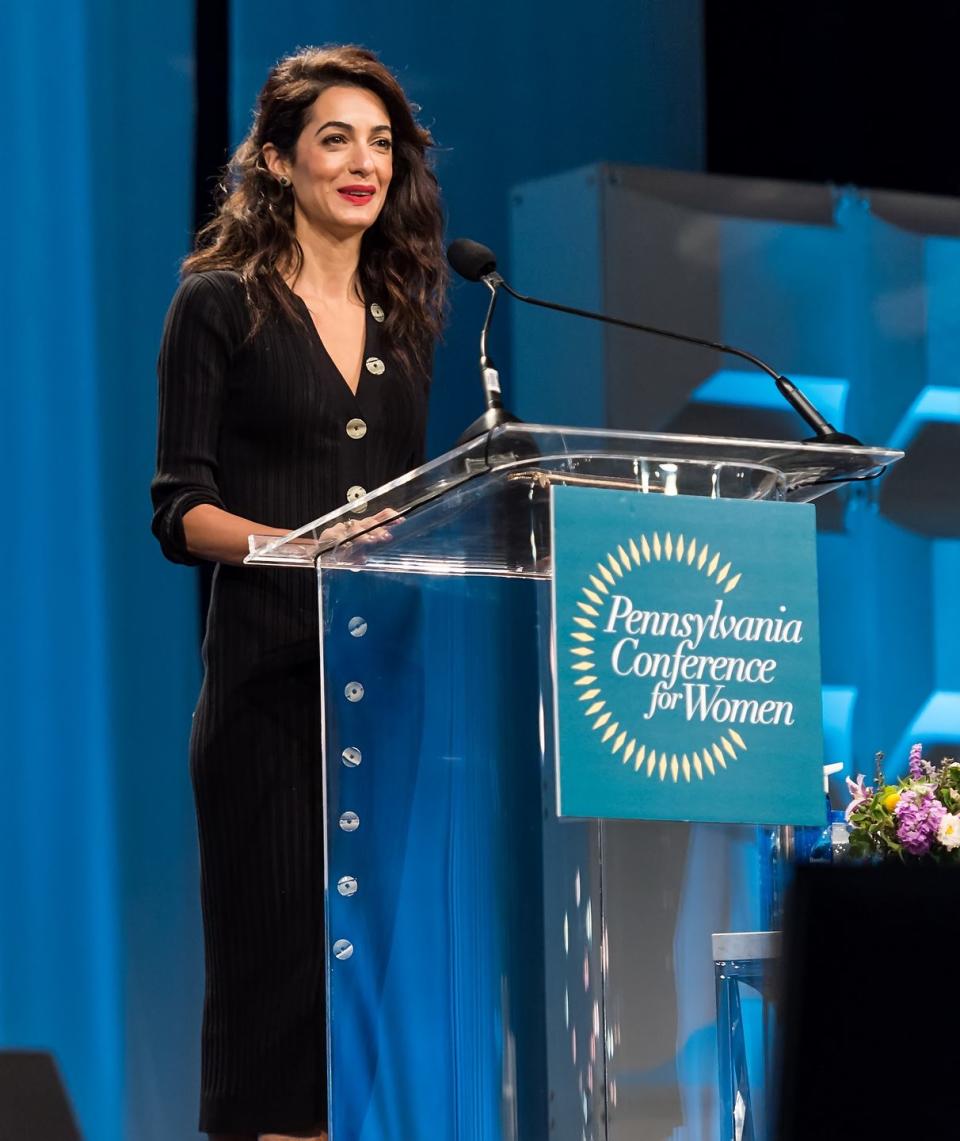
260 428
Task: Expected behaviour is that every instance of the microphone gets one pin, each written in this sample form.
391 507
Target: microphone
471 260
476 262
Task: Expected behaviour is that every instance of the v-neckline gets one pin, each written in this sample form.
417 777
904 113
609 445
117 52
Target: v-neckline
323 348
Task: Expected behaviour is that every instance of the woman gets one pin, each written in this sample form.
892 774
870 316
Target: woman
293 375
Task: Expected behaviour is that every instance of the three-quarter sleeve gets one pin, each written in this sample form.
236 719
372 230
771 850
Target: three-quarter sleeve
200 337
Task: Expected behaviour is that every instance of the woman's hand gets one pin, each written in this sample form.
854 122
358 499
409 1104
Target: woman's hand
349 531
306 548
214 534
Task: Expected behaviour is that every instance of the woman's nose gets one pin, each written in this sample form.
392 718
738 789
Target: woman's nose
361 160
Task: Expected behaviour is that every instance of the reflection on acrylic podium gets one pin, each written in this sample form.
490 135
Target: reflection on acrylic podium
498 973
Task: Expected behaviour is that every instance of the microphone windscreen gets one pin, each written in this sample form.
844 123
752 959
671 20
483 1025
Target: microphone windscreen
470 259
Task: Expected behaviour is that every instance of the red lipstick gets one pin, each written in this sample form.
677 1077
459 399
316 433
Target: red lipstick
358 194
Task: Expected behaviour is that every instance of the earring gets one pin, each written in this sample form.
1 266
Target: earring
284 181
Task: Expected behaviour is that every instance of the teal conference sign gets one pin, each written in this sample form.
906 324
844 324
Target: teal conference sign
687 658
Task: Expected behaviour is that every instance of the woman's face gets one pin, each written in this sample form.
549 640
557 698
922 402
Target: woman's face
343 161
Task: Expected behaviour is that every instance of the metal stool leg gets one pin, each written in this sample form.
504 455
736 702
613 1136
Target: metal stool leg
740 957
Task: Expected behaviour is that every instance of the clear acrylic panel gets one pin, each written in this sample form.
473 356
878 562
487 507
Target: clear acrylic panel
481 509
463 920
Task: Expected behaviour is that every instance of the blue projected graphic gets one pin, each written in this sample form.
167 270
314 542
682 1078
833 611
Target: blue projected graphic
933 404
754 390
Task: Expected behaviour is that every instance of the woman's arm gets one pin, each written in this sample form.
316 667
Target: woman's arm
214 534
201 333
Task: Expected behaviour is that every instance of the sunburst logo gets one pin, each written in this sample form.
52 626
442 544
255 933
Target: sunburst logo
704 758
686 658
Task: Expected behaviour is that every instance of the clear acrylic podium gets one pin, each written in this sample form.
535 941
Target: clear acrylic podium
495 973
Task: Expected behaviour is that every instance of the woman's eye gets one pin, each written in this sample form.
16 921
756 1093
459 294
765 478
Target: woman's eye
383 144
335 138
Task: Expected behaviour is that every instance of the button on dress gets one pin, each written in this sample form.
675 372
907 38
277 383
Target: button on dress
266 428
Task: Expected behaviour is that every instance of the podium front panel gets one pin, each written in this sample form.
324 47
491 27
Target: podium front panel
463 921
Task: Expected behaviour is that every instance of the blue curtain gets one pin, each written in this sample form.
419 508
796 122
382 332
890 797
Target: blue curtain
99 947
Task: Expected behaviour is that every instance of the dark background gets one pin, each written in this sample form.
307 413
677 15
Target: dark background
822 91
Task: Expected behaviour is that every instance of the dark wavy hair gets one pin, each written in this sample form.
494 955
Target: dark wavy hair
401 255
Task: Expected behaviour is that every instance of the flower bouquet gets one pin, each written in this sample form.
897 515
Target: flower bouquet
918 818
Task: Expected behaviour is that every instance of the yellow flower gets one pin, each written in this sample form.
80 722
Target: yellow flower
889 802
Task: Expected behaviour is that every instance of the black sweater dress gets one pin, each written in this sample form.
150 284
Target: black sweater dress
267 429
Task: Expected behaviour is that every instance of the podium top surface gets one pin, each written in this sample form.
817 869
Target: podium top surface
482 508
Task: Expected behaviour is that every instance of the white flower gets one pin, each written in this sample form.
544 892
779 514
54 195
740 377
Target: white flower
949 831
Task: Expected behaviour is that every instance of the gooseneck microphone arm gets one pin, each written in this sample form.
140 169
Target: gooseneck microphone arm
486 362
637 327
477 263
825 431
495 414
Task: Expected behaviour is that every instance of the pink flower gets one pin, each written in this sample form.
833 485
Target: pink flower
859 794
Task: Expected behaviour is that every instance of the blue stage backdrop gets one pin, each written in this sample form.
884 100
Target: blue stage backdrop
100 957
100 954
